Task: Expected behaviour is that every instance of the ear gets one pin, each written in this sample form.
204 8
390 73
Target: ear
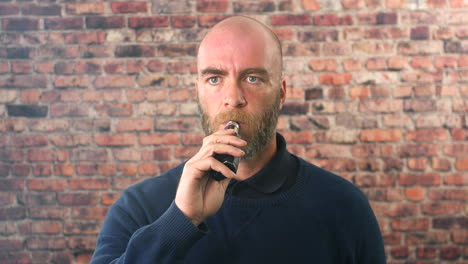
282 93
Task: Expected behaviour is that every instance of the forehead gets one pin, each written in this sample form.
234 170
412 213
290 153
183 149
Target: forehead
236 47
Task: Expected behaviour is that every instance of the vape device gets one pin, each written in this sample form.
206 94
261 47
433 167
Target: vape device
230 161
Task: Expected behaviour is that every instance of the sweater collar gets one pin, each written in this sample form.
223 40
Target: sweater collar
274 175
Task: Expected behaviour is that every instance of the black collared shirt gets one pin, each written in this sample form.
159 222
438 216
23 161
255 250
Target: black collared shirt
277 176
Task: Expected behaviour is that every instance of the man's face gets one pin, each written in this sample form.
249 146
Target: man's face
239 79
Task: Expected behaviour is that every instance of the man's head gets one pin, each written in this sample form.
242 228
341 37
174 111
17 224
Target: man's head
240 79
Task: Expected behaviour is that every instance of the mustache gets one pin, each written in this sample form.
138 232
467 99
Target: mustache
236 115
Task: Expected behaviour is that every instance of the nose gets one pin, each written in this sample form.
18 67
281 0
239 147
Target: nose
234 96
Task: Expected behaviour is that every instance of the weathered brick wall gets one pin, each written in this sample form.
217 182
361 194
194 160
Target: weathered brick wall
95 96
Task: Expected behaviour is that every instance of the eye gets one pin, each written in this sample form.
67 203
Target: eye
252 79
213 80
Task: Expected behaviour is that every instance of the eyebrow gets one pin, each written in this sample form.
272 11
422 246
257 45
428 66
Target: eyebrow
215 71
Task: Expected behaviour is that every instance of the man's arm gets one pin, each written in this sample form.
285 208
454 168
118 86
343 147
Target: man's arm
128 236
166 240
371 246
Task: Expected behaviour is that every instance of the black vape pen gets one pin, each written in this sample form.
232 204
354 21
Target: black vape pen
230 161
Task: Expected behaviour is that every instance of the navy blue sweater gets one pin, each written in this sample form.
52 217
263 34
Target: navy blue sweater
322 218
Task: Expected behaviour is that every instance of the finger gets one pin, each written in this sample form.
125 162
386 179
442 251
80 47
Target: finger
214 149
228 139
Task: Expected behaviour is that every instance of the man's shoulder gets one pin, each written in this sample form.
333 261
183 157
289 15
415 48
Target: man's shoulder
329 185
158 191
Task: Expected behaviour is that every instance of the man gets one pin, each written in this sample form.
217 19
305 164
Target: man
277 208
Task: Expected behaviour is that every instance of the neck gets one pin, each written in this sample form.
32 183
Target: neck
247 168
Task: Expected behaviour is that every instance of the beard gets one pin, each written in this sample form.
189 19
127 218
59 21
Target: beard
259 129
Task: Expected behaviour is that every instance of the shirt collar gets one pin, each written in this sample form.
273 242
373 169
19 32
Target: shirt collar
271 177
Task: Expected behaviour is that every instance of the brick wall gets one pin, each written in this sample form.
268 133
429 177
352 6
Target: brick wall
95 96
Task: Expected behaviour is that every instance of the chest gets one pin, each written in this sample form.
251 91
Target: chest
272 235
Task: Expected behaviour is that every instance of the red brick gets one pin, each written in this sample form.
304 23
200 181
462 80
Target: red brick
87 38
459 134
94 155
380 135
284 20
70 140
24 81
411 224
11 184
375 47
335 78
64 169
114 81
127 154
419 33
46 227
115 139
47 184
148 22
49 243
9 9
77 199
83 243
456 179
310 5
129 7
11 244
150 169
426 135
69 110
159 139
399 252
442 208
11 155
63 23
97 213
374 180
89 184
211 20
114 110
127 169
212 6
352 4
20 67
114 67
135 66
21 141
440 164
140 124
21 170
460 236
436 3
420 62
155 66
462 164
450 253
323 65
456 150
85 8
183 21
71 81
426 252
415 194
30 96
417 164
352 64
42 170
424 179
20 24
105 22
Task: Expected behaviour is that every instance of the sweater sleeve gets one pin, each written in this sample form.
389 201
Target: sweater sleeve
370 245
166 240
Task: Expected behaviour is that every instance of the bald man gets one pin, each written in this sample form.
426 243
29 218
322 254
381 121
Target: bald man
276 208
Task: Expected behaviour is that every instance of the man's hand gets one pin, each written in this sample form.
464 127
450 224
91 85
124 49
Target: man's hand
198 196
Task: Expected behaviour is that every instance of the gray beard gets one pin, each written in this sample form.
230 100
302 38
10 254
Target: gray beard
263 124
